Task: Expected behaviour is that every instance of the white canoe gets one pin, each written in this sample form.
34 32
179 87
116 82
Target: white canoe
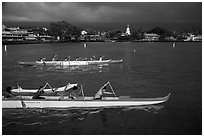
60 89
80 102
69 63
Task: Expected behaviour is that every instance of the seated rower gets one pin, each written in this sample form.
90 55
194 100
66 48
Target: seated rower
69 95
99 94
39 93
67 59
54 58
42 59
73 94
93 58
78 58
7 93
101 58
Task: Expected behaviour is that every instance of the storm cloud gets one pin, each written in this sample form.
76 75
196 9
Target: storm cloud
107 12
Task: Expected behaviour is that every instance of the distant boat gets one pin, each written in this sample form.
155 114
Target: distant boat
70 63
84 45
174 45
5 48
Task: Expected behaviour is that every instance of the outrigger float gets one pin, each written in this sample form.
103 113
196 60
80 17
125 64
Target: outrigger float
80 101
46 90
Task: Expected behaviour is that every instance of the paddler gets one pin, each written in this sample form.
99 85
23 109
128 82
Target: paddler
54 58
99 94
67 59
92 58
42 59
101 58
78 58
73 94
7 93
39 93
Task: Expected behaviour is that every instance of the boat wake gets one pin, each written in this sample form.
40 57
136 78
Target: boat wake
149 108
68 112
32 118
35 123
76 69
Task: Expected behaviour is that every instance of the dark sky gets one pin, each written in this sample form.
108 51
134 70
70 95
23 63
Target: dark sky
92 12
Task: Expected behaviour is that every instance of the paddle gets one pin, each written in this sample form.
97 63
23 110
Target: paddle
62 94
22 103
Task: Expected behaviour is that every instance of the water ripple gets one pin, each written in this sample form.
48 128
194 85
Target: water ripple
150 108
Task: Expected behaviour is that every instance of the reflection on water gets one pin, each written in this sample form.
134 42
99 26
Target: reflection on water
104 118
25 117
78 69
74 69
150 108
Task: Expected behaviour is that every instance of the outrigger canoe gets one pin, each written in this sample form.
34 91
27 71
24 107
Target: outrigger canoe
86 102
80 101
70 63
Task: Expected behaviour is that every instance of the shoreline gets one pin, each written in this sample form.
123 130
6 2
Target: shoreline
44 42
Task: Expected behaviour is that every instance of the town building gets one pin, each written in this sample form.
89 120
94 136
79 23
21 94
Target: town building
192 37
170 38
197 38
151 37
83 32
13 34
90 36
19 35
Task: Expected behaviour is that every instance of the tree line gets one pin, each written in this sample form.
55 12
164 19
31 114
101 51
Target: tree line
65 31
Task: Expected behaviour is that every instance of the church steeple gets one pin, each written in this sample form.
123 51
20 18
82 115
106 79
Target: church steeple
128 30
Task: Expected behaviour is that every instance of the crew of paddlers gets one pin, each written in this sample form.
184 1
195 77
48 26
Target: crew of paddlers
76 59
9 95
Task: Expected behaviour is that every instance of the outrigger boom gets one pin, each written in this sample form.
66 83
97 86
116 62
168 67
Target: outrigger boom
49 90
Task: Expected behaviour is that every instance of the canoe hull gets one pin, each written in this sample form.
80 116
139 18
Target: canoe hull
117 102
115 61
69 63
75 104
32 63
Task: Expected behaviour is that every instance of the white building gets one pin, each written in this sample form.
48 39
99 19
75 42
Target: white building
83 32
191 37
197 38
151 37
128 30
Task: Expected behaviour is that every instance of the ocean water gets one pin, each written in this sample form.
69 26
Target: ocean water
148 70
